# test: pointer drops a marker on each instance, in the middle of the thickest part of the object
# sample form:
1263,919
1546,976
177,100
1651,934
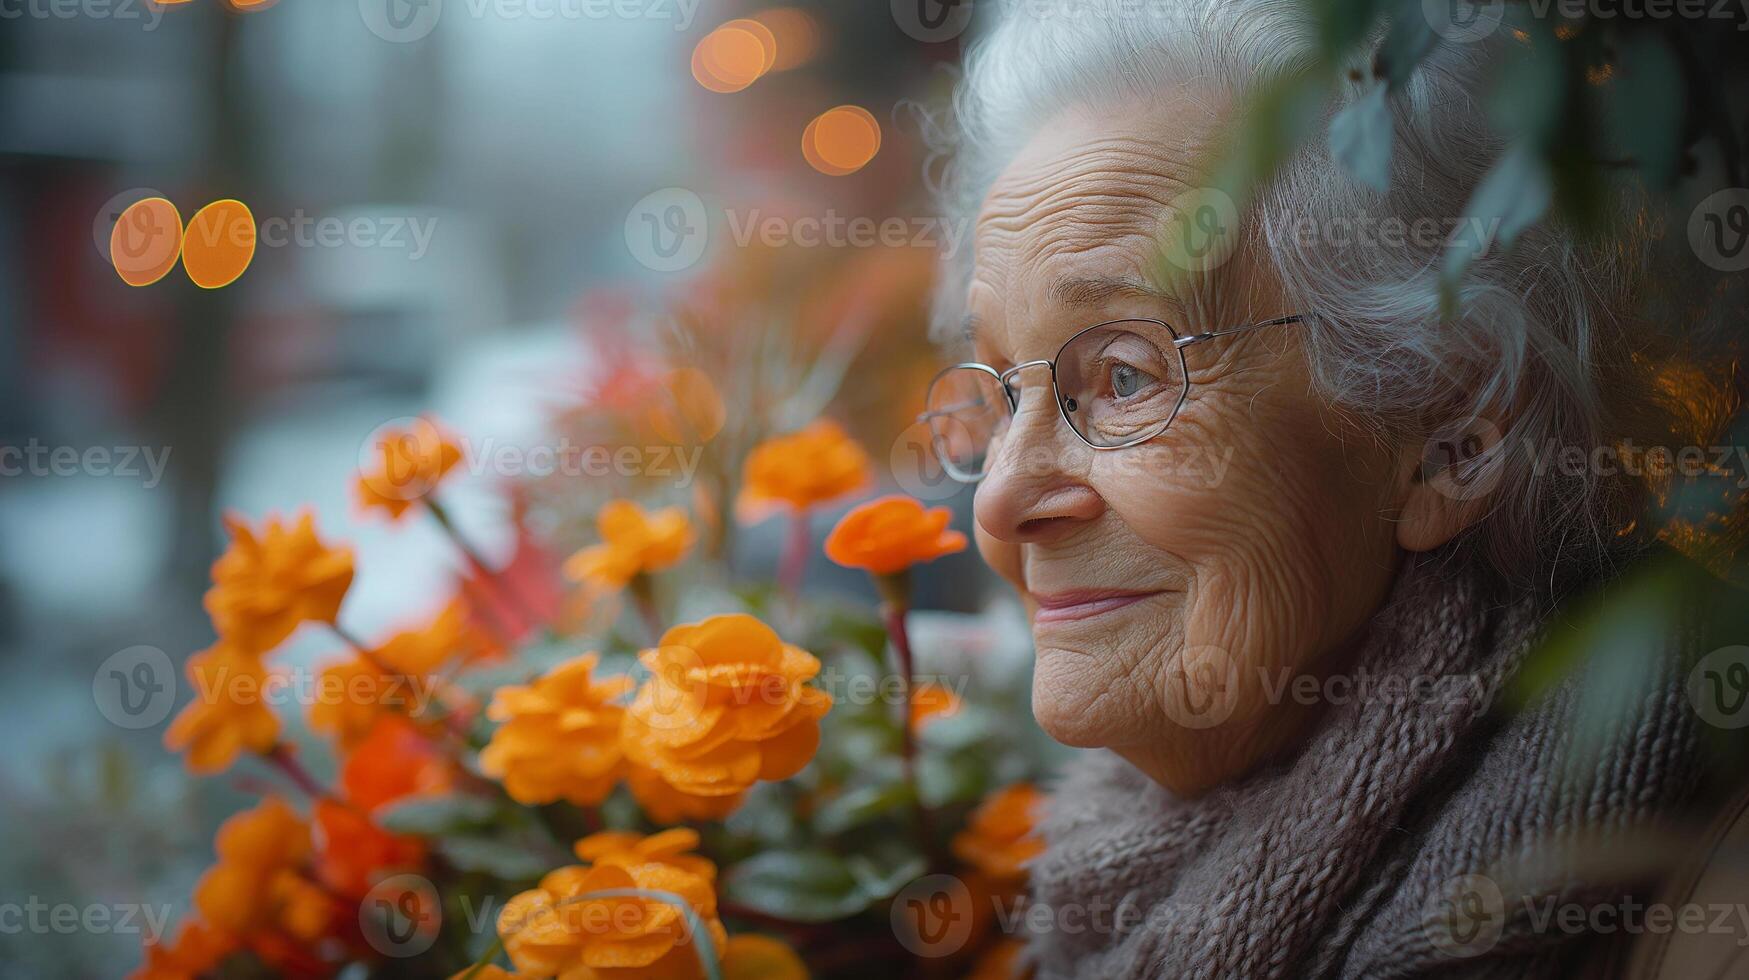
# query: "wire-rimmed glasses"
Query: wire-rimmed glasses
1117,384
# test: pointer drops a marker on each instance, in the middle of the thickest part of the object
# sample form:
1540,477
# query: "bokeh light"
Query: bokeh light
145,242
219,243
841,140
734,55
797,33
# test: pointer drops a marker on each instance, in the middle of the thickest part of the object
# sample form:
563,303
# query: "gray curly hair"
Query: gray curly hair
1539,343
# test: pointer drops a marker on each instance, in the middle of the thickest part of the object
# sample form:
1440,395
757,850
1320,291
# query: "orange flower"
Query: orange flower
243,891
663,803
1002,961
411,462
197,951
393,761
560,737
267,583
352,853
750,956
890,534
818,464
930,701
552,929
999,838
229,713
726,705
668,847
354,693
633,543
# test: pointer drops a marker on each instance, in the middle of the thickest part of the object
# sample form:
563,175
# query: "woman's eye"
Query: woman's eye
1127,379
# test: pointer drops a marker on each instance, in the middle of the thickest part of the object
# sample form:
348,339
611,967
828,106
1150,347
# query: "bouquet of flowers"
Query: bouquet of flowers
672,774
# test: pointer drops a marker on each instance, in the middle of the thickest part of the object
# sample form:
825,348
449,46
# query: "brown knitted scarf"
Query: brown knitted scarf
1395,843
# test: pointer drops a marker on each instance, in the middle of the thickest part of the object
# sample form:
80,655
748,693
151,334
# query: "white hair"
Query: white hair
1539,336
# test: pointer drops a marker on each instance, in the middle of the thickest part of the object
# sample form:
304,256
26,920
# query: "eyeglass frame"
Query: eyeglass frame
1013,397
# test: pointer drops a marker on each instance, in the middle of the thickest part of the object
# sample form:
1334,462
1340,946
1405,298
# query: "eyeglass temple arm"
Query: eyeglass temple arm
1199,337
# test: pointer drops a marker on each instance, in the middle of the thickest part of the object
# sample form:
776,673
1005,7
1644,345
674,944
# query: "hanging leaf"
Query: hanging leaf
1360,139
504,859
1645,108
432,816
1513,195
1409,41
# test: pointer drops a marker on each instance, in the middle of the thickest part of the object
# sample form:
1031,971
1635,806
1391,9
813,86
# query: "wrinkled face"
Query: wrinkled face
1173,584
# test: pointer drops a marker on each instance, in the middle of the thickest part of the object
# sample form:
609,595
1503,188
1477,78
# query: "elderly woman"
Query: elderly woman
1275,522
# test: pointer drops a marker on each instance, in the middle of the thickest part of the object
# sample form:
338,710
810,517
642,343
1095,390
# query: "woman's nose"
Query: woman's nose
1030,492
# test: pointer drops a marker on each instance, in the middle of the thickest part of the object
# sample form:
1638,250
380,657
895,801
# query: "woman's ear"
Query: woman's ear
1448,483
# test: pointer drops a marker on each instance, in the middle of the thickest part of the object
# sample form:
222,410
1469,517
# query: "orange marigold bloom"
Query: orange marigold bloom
229,713
1001,961
802,469
930,701
197,951
633,542
242,891
670,847
560,737
410,463
392,762
354,693
267,583
750,956
726,704
352,853
552,930
663,803
999,838
890,534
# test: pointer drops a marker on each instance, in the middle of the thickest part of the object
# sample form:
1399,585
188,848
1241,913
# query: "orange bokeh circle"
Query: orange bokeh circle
219,243
146,241
734,55
841,140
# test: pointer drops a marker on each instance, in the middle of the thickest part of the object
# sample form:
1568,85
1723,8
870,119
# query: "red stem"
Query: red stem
282,759
894,616
794,562
507,596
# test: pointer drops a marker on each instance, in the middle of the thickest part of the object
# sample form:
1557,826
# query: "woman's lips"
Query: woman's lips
1061,607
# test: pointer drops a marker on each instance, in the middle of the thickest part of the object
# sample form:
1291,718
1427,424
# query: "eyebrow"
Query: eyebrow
1094,290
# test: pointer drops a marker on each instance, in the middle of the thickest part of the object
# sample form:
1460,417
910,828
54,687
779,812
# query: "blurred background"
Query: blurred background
499,212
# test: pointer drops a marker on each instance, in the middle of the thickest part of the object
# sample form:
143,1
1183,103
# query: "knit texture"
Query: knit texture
1355,857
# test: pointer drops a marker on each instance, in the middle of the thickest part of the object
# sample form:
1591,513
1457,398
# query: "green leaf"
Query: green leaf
433,816
1406,44
1342,24
888,867
861,805
501,858
800,886
1360,139
1513,195
1646,109
961,777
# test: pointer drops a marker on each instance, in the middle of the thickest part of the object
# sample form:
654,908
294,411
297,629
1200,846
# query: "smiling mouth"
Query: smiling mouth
1062,607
